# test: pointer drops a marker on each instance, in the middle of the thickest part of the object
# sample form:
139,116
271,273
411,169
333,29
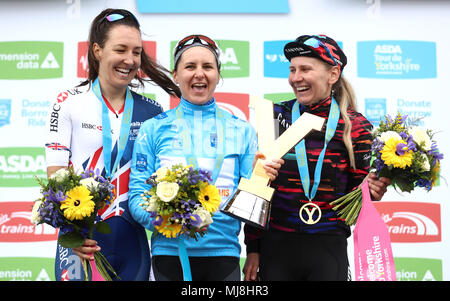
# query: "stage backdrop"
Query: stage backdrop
398,60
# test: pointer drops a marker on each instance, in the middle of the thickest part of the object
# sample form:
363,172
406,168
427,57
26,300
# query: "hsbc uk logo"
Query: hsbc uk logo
411,221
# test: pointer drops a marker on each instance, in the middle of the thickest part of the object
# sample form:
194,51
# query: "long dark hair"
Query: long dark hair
98,33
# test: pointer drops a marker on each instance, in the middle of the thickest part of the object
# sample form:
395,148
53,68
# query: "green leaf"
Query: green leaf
102,227
71,240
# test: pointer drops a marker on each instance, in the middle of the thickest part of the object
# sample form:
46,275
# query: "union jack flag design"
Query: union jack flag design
57,146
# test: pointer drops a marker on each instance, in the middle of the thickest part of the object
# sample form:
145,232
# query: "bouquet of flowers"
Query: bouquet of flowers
70,202
182,200
402,152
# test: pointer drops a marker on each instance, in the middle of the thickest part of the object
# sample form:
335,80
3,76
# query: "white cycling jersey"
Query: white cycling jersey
75,137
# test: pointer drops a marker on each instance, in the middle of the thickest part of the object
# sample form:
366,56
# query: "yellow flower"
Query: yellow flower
169,231
210,198
78,203
390,156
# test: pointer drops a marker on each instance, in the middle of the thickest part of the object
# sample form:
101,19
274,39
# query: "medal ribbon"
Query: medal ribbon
191,159
300,149
106,129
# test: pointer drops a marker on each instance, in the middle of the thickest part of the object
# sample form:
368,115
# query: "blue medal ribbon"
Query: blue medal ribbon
192,160
300,149
106,130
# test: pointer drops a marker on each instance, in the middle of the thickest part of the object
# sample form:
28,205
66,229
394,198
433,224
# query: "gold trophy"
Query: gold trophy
251,202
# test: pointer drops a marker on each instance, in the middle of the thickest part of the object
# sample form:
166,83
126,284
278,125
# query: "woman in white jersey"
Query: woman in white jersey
77,137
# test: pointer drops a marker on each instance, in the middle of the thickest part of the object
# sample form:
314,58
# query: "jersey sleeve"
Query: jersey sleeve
362,141
59,134
142,167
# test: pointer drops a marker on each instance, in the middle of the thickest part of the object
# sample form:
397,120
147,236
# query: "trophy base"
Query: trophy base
249,208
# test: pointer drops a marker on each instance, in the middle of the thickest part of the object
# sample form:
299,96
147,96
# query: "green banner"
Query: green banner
31,60
19,166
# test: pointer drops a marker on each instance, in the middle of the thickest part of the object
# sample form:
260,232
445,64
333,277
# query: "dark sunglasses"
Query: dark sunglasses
189,40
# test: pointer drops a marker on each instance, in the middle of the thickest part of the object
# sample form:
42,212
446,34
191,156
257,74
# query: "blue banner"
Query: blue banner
213,7
397,59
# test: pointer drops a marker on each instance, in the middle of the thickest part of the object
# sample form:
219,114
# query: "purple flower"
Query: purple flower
158,221
196,222
401,149
51,215
435,153
427,184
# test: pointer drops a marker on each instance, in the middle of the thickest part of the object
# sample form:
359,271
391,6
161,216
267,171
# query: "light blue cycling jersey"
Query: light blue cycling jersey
160,143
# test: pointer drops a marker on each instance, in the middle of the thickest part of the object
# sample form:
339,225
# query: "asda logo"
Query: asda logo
397,59
20,165
234,58
418,269
31,60
26,269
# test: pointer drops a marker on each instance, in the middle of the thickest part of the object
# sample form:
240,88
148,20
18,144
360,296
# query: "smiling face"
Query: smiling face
311,79
197,75
120,58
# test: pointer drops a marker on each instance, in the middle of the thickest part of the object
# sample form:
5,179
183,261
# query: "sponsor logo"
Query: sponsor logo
396,59
31,60
82,61
234,103
411,221
234,58
375,108
26,269
418,269
19,166
418,110
35,112
275,63
214,7
5,111
15,224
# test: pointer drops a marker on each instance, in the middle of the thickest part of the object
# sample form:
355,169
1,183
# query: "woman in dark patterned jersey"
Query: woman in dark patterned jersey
305,239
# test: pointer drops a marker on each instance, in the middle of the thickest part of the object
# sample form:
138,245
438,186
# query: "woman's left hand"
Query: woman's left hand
377,187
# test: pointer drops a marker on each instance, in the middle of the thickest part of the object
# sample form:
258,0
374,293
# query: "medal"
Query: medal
311,210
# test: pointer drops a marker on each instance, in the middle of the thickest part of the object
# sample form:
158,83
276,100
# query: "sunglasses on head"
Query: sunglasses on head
189,40
117,16
315,43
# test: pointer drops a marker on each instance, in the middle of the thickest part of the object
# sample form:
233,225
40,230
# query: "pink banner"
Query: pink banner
374,260
96,276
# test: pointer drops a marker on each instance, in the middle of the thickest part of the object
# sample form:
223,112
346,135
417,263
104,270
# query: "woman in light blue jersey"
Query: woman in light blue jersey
215,256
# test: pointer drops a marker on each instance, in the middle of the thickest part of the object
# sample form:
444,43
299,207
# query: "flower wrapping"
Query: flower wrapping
373,257
182,200
70,202
401,151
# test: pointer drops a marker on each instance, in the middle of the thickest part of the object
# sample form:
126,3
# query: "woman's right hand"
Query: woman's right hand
87,250
251,267
271,167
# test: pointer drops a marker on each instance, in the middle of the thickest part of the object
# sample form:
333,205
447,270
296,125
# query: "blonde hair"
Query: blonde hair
345,96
